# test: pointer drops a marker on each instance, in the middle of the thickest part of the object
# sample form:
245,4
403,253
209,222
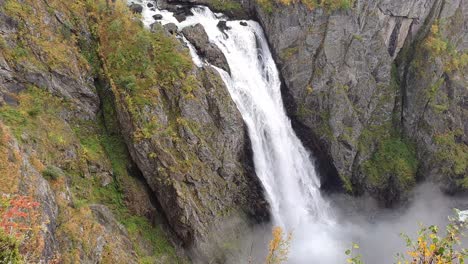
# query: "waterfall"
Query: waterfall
281,162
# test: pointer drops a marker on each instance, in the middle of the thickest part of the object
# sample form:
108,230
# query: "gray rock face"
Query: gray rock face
435,110
350,82
197,162
63,94
339,86
198,37
67,82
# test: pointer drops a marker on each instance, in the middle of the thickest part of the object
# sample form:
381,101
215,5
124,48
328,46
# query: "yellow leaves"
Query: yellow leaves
430,248
435,29
439,47
279,247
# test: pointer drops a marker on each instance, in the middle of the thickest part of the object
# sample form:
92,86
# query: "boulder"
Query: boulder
181,13
171,28
136,8
197,36
223,26
157,17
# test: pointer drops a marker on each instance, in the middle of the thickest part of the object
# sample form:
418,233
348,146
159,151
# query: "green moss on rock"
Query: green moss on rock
394,157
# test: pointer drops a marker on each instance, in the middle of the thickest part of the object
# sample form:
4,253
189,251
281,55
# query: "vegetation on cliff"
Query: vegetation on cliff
269,6
81,154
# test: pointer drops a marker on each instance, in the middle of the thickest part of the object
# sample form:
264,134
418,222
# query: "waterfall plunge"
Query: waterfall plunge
281,162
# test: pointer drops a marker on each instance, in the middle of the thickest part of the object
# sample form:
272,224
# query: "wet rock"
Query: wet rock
199,39
157,17
243,23
171,28
182,12
136,8
150,5
233,13
223,26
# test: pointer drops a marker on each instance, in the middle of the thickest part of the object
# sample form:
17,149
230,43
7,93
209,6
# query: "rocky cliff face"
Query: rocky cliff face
113,134
56,149
376,89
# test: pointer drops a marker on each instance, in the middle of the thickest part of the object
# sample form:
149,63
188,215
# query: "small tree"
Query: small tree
279,247
19,229
429,247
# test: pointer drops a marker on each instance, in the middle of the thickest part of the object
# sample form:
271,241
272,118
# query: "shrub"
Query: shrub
394,156
52,173
9,252
279,247
430,247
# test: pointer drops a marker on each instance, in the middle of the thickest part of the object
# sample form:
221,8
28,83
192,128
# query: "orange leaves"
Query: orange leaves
279,247
17,214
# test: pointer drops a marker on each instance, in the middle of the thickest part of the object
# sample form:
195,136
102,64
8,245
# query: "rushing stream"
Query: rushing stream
281,162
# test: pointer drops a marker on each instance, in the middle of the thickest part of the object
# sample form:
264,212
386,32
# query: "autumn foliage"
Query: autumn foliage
430,246
19,229
279,247
16,213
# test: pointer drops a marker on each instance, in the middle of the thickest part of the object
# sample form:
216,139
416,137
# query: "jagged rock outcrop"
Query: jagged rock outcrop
196,157
198,37
182,129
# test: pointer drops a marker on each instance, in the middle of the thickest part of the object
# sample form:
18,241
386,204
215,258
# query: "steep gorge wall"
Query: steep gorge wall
112,129
352,79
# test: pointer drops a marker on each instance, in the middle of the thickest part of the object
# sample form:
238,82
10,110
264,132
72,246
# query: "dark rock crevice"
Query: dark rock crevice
406,56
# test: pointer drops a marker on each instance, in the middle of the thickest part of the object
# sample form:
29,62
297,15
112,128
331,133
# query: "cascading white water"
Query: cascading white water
281,162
